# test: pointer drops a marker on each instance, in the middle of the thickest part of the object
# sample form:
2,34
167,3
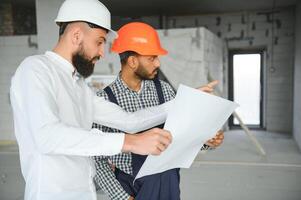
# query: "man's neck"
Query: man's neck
60,49
131,80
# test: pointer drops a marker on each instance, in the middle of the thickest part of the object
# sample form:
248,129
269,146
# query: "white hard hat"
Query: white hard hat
92,11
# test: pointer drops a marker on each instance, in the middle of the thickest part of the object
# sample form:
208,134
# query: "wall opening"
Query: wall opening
246,86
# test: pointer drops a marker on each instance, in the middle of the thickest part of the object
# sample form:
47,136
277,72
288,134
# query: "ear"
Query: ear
77,36
133,62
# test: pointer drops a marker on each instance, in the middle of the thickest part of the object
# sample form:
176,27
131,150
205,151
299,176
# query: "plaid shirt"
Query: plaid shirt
130,101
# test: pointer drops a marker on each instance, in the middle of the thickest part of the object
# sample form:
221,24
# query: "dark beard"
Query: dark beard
143,75
83,65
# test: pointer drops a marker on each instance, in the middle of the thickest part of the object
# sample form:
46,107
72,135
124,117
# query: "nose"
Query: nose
101,51
157,62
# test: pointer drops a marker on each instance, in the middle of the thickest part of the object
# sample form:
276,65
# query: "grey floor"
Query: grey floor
235,171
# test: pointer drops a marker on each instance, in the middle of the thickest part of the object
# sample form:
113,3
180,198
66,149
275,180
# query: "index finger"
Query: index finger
212,84
166,134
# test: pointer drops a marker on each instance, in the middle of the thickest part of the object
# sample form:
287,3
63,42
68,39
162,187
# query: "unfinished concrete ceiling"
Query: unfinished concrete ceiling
134,8
186,7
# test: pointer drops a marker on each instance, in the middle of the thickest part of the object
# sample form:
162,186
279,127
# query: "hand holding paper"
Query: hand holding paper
193,112
217,140
209,87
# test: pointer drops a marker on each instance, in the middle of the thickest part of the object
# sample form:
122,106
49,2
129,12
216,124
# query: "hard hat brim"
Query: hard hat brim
148,52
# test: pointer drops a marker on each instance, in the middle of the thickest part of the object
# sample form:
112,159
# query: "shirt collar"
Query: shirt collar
122,86
76,76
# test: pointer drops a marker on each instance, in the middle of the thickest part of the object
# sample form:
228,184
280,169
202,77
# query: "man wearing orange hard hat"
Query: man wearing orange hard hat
136,87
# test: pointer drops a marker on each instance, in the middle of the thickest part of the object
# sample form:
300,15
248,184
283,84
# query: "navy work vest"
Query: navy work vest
161,186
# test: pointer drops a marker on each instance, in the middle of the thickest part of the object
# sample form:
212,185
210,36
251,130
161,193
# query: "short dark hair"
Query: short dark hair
125,55
63,26
91,25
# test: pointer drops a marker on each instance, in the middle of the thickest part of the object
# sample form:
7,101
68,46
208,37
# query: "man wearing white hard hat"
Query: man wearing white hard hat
54,109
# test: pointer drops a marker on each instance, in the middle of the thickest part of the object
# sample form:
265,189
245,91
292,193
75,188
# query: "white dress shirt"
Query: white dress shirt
53,114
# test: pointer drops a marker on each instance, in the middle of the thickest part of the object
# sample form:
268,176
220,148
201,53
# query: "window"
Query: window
245,78
17,17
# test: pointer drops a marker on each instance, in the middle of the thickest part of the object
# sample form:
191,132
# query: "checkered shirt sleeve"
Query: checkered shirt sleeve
105,177
106,180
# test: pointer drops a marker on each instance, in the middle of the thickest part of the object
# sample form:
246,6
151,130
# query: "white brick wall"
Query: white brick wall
13,49
297,88
279,82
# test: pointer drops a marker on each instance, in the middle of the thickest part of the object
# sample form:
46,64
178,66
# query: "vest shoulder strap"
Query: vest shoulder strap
159,90
110,94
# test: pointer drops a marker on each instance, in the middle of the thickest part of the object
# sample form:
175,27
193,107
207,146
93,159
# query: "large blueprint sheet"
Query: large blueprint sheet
195,117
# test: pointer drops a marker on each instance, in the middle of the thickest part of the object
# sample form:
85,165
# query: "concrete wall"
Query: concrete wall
13,49
297,88
193,53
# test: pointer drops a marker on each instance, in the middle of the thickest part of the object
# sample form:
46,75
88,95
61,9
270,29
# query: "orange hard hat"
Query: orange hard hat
138,37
